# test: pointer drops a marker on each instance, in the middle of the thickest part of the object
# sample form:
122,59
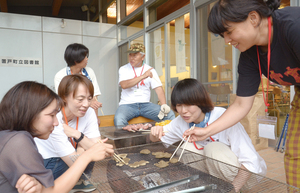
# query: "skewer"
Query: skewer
116,156
181,143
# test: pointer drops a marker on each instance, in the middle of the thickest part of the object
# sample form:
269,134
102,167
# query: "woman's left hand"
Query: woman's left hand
28,184
95,104
70,132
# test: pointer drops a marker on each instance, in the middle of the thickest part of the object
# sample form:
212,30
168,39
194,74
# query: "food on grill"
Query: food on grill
123,155
174,160
162,123
162,164
137,127
145,151
160,154
139,163
124,158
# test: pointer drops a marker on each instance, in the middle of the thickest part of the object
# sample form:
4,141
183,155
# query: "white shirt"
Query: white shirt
142,93
63,72
58,144
235,137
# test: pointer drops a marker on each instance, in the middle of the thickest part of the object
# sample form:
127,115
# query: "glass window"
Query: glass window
112,13
132,5
162,8
131,27
179,52
215,59
157,57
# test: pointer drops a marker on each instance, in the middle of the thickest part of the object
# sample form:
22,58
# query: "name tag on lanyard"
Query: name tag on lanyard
138,92
267,126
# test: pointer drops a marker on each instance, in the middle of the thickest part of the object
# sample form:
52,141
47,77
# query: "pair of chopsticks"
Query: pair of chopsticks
181,143
100,107
116,156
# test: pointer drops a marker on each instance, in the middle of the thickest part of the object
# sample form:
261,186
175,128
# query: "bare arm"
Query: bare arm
95,104
28,184
241,178
238,110
160,94
68,179
156,133
134,81
83,145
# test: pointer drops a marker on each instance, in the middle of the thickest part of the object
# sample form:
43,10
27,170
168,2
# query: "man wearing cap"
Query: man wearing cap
136,78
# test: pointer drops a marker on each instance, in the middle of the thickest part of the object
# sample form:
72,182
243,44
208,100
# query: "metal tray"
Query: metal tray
188,175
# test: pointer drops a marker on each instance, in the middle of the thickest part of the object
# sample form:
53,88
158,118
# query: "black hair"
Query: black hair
75,53
237,11
22,104
191,92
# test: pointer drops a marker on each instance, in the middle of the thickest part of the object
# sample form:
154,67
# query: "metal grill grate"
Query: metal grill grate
190,173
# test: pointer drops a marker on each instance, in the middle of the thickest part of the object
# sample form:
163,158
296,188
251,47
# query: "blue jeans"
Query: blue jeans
126,112
58,167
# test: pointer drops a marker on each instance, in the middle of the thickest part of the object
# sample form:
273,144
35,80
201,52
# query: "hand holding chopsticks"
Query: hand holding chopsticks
115,155
181,143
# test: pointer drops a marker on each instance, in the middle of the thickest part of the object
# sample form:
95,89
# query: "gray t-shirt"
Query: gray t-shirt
18,156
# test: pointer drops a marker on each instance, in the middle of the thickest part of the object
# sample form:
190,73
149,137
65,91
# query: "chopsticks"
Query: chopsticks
100,107
181,143
115,155
101,111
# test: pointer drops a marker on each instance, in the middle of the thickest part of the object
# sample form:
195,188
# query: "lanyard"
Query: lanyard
142,82
65,117
202,124
269,58
202,147
72,72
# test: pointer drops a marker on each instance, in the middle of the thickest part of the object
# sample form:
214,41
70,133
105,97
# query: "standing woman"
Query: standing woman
269,41
76,57
29,110
77,130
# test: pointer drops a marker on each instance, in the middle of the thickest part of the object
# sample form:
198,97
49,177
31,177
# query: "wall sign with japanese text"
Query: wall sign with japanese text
18,61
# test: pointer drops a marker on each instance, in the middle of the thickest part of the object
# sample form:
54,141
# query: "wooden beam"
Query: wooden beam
56,7
3,5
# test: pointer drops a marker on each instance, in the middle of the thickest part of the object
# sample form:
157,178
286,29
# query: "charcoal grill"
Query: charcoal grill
188,175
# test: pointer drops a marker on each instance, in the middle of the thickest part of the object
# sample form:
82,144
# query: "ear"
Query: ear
254,18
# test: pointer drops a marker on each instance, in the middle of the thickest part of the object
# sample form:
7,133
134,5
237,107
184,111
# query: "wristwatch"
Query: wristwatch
80,138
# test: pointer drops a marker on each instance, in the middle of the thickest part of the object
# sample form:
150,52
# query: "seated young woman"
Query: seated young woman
29,110
77,130
233,145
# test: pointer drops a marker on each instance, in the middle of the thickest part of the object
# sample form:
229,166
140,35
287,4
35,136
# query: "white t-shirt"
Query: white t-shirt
235,137
63,72
58,144
142,93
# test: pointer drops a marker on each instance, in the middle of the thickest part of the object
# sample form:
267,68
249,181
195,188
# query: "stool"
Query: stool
108,120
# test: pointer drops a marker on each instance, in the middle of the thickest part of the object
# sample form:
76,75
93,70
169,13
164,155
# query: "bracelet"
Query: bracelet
80,138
